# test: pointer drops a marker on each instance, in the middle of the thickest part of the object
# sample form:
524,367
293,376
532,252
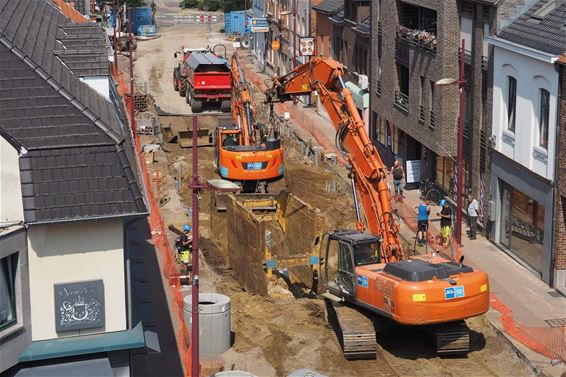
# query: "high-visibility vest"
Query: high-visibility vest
185,255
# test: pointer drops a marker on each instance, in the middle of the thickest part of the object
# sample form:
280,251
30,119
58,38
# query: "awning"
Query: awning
360,96
88,344
85,368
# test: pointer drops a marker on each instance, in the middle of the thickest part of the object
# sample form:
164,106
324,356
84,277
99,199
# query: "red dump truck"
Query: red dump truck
203,77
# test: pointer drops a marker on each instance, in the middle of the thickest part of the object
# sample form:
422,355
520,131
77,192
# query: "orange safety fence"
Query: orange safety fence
160,241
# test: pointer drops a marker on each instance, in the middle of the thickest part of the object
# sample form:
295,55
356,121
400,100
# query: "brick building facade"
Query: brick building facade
324,30
411,117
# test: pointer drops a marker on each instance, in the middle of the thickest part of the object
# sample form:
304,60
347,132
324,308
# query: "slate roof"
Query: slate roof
547,34
83,49
338,18
76,166
364,27
329,7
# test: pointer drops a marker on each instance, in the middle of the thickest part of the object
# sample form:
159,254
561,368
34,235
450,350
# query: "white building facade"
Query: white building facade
525,103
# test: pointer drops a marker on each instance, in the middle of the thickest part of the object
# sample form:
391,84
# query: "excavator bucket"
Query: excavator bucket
168,134
204,138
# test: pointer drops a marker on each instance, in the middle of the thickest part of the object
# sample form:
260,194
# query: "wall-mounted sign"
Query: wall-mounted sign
259,25
79,306
275,45
306,46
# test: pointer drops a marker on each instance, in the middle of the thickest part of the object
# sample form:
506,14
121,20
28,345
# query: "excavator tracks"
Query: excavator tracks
451,338
354,329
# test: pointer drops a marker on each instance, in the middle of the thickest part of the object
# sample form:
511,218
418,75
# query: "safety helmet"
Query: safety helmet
186,228
442,203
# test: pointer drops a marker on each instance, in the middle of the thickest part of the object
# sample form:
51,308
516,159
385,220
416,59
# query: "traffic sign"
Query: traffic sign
306,46
259,25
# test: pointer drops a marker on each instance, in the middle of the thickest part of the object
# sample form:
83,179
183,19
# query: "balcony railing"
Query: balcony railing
432,121
402,100
378,87
379,28
421,114
419,38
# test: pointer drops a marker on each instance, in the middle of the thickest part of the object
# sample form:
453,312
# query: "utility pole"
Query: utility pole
132,96
294,34
195,185
461,82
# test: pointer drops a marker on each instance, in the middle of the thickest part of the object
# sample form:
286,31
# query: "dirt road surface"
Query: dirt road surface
276,335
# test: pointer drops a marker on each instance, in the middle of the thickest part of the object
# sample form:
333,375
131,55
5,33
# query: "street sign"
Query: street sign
259,25
306,46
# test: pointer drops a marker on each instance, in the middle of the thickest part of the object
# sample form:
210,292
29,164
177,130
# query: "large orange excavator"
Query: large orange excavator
247,151
369,272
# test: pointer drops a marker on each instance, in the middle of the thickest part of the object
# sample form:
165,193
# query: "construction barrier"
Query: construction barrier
159,238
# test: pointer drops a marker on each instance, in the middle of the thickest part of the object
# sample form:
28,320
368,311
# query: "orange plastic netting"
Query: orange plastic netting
159,237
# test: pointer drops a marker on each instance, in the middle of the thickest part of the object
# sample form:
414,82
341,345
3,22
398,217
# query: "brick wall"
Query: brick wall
560,204
422,63
323,35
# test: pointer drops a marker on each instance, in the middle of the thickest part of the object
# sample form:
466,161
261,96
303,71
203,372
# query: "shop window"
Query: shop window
511,102
522,226
8,267
544,112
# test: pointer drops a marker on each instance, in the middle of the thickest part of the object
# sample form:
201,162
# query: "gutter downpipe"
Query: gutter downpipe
555,195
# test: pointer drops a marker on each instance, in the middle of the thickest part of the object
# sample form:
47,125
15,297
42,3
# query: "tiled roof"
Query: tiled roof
83,49
338,18
547,34
76,165
330,7
364,27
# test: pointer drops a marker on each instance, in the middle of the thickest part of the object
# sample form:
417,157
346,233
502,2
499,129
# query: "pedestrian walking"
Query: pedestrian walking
445,222
398,175
473,207
423,211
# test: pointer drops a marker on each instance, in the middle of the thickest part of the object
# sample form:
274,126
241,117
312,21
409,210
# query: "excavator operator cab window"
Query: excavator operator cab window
229,140
366,253
346,259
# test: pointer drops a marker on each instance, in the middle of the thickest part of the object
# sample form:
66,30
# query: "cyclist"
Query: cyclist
423,211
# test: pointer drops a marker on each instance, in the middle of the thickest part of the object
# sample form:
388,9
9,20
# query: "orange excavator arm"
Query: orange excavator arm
242,106
368,173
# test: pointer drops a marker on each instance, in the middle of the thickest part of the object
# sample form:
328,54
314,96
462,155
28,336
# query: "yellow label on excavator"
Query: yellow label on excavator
483,288
269,155
239,157
419,297
305,87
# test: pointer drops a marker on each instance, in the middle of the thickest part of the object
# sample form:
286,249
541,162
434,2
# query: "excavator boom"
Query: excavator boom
325,76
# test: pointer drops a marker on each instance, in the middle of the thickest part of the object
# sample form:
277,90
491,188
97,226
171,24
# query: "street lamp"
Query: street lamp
460,179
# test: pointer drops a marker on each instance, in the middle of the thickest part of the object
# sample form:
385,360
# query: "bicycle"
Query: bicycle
428,190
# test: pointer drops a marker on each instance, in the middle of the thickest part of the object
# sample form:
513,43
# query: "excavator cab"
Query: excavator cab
343,252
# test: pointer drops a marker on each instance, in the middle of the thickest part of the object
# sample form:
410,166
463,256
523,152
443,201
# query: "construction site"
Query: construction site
262,250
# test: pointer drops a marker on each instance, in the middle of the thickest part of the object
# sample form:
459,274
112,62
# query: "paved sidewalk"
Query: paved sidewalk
520,302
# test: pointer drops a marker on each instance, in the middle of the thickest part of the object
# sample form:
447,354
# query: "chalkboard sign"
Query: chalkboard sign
413,171
79,306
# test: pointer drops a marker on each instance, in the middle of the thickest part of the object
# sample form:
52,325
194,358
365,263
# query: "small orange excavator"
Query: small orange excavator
247,151
370,270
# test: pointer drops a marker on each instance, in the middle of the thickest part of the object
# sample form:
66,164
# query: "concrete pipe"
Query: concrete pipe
214,322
